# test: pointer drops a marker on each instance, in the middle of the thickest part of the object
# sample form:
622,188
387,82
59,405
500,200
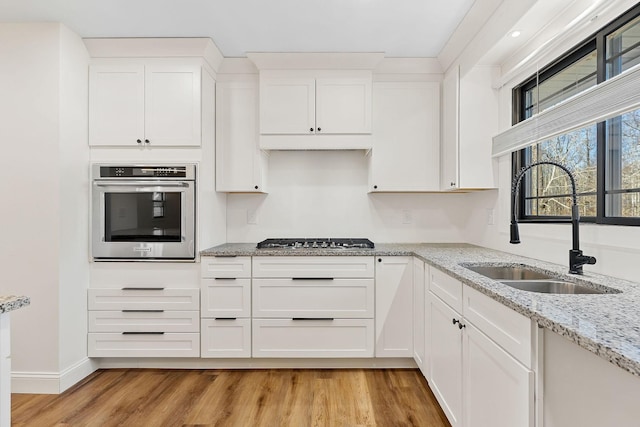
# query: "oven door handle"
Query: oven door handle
141,184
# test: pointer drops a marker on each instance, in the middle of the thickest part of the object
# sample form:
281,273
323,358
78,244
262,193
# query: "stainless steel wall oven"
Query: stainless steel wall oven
143,212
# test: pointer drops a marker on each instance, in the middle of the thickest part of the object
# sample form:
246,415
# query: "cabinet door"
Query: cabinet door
343,106
446,359
418,313
172,105
287,106
406,137
498,390
116,105
394,317
238,157
449,179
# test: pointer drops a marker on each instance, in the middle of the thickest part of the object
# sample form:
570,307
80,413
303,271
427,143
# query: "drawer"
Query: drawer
312,338
225,338
226,298
144,321
510,330
223,266
447,288
143,345
313,266
337,298
144,299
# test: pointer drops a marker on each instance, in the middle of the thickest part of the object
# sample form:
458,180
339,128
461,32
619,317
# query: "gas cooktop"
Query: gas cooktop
316,243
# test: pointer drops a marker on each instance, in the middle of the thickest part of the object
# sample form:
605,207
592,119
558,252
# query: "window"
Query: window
604,158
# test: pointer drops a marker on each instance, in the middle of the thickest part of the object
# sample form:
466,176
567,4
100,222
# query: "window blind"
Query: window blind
606,100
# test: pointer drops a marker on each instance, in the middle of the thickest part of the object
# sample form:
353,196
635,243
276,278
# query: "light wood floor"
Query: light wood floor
269,398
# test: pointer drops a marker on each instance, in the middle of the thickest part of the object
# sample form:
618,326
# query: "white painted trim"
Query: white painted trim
316,61
256,363
51,382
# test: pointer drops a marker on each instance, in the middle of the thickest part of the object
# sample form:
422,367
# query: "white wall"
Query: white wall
615,247
324,194
43,81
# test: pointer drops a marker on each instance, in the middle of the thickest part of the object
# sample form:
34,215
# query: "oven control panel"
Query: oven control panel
143,171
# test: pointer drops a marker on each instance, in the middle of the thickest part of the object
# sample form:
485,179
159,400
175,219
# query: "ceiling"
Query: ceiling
399,28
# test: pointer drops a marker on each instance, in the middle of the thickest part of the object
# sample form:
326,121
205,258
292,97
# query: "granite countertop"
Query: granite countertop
605,324
11,302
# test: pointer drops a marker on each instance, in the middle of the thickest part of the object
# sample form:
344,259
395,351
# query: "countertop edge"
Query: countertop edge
11,302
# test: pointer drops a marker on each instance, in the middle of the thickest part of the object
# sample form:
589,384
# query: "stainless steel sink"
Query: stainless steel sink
509,272
551,287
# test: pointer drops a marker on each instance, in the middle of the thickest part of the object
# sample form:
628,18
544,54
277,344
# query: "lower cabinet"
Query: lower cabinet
144,322
498,390
445,371
419,312
394,311
480,373
313,307
225,337
312,337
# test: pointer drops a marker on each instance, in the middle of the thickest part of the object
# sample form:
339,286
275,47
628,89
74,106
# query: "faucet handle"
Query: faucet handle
577,260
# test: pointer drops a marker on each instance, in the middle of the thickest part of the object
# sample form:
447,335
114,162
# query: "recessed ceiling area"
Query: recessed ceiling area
407,28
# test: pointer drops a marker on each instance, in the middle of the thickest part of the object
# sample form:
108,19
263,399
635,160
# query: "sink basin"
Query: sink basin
551,287
509,272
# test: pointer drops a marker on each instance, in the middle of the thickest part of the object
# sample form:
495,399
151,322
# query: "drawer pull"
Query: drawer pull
226,318
312,278
225,256
143,311
143,333
224,278
312,318
142,289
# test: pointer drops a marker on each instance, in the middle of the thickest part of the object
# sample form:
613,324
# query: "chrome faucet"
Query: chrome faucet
576,258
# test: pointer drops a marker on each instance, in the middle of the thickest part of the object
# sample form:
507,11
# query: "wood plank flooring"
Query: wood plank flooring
238,398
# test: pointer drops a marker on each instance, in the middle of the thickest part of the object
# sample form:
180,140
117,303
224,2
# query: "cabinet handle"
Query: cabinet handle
319,129
256,187
311,318
139,141
375,187
143,333
379,259
454,321
312,278
146,141
453,184
143,311
461,325
225,256
310,129
224,278
142,289
225,318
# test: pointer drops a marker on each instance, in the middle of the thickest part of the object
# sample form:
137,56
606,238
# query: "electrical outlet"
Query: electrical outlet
252,216
407,217
490,217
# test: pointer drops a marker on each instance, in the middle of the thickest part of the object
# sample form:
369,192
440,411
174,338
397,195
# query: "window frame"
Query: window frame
596,41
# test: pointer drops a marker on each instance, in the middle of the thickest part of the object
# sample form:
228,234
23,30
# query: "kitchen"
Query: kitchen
301,199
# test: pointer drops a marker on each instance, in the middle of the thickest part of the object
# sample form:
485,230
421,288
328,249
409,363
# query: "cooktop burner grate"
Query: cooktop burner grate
316,243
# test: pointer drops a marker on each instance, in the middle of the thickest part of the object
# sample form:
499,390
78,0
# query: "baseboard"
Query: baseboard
51,382
255,363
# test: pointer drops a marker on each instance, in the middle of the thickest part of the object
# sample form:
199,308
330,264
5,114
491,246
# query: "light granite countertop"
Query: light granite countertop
605,324
11,302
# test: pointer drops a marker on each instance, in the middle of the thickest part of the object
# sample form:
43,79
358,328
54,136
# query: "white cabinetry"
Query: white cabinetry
481,357
469,122
143,322
5,370
406,137
419,312
394,317
240,164
313,306
145,103
226,307
300,109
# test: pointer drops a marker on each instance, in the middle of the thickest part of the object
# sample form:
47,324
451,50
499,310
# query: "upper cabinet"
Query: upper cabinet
145,103
469,122
314,104
240,164
406,137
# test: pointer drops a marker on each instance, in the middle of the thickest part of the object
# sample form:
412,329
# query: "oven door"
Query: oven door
143,220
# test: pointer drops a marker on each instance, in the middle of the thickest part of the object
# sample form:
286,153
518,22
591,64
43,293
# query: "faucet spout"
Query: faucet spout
576,258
